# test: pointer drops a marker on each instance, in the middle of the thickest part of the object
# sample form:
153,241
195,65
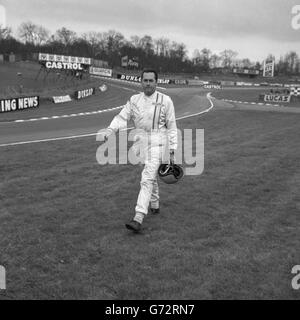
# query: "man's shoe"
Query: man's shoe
134,226
154,211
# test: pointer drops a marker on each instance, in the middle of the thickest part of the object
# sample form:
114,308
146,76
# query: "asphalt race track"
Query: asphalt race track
187,101
81,119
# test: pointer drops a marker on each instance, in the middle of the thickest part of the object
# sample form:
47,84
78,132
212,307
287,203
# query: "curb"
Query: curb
253,103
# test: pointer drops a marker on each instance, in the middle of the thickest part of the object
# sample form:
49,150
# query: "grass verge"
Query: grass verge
231,233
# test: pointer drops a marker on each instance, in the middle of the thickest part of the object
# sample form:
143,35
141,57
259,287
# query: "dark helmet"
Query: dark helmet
170,173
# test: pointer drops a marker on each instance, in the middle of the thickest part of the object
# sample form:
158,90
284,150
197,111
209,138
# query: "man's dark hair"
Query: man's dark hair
150,71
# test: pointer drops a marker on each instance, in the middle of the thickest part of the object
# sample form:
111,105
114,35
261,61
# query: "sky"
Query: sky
253,28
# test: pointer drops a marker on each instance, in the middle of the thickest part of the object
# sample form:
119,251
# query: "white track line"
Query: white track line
252,103
124,88
95,134
209,97
65,115
48,140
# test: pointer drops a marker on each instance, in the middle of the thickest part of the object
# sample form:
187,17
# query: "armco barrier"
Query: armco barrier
15,104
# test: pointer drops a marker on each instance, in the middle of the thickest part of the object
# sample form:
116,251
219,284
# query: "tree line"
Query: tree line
161,53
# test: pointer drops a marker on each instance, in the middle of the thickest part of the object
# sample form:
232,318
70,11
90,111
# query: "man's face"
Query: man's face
149,83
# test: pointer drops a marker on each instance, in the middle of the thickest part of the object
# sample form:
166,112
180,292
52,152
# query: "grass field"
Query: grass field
20,78
231,233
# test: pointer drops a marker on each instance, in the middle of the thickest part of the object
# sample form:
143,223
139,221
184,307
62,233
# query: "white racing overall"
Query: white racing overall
155,116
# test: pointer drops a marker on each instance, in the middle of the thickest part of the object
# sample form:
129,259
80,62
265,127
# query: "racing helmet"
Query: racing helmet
170,173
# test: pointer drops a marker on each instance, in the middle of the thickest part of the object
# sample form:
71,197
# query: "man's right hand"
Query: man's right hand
172,156
105,133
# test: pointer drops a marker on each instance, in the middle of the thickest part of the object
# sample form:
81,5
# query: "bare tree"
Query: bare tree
205,57
270,57
227,57
291,60
162,46
146,43
5,33
156,46
196,56
243,63
27,32
41,35
246,63
215,61
258,65
96,40
135,41
65,36
114,40
178,51
33,34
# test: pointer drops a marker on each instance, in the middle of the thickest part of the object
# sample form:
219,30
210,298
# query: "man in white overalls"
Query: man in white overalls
153,113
